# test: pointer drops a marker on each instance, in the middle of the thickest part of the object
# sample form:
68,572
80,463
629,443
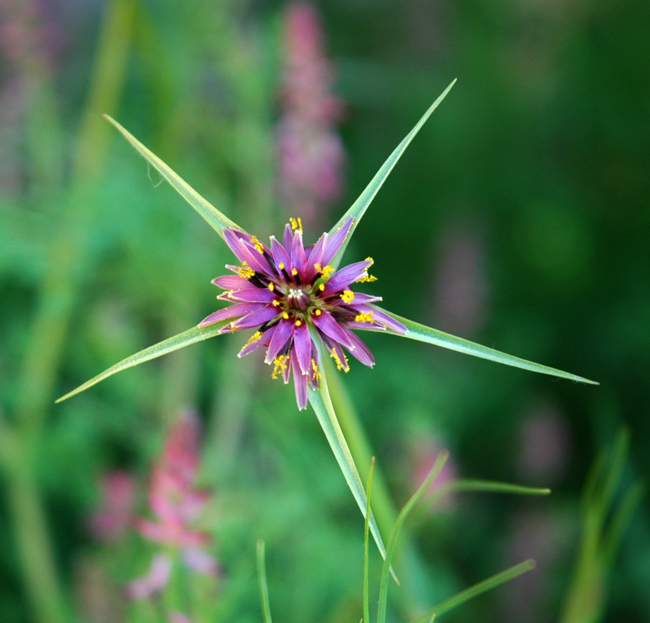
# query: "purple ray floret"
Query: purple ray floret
291,295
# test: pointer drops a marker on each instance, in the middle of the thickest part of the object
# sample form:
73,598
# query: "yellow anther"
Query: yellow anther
257,244
285,315
276,303
318,267
327,271
279,365
296,224
294,271
365,317
366,279
281,265
321,287
253,338
347,296
369,259
318,312
339,364
315,370
298,323
271,287
245,271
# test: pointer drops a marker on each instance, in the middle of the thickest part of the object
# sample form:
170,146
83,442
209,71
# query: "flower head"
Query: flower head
292,296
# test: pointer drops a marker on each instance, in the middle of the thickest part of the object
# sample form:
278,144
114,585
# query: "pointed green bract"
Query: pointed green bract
322,405
215,218
359,207
157,350
422,333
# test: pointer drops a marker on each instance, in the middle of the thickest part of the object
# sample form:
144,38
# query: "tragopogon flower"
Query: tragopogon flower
292,296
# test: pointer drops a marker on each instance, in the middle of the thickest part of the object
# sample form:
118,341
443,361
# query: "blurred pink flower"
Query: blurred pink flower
545,443
310,150
176,505
172,497
423,452
109,523
177,617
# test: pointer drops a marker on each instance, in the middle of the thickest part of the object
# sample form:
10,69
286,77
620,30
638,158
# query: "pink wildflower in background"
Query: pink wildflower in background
422,454
310,150
176,505
109,523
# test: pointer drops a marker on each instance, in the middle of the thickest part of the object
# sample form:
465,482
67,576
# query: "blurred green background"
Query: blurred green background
518,218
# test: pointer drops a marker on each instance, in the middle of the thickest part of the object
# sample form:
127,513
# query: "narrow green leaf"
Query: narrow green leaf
439,463
322,405
477,589
490,486
215,218
169,345
366,548
261,577
359,207
422,333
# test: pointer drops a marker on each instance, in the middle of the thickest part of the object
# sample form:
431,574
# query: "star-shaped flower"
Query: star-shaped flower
300,302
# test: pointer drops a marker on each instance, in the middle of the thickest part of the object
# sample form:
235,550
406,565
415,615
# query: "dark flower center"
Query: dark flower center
298,299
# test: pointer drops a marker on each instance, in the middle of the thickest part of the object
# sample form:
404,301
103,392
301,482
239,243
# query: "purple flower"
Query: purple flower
292,297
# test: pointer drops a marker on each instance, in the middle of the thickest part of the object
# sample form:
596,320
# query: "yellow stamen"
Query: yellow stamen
276,303
315,371
366,279
327,271
347,296
279,366
281,265
298,323
296,224
253,338
271,287
321,287
318,267
339,364
318,312
245,271
294,271
258,245
365,317
285,315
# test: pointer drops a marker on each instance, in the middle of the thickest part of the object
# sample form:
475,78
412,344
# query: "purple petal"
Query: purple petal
250,295
252,344
280,255
388,321
360,350
339,357
231,282
325,323
245,252
255,319
282,334
234,311
300,382
302,346
287,239
298,257
360,299
346,276
335,241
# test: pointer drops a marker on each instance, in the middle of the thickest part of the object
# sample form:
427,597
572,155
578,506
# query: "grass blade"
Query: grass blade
215,218
359,207
169,345
439,463
477,589
261,577
366,548
422,333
